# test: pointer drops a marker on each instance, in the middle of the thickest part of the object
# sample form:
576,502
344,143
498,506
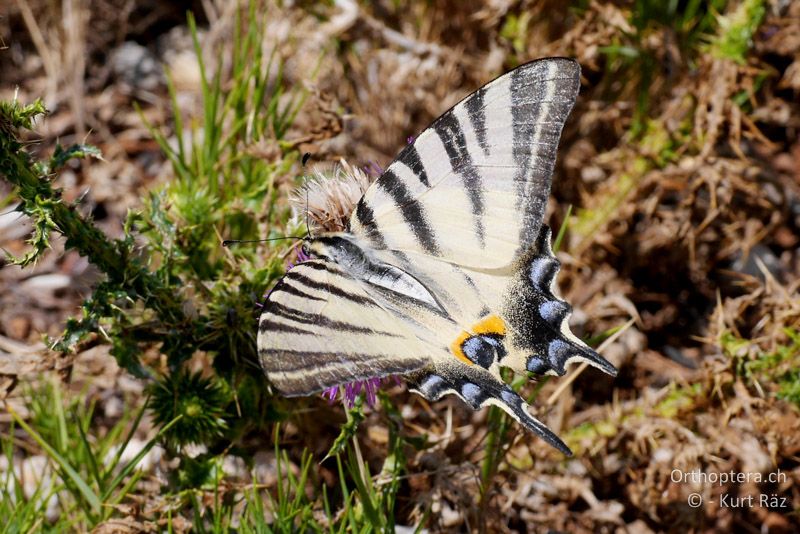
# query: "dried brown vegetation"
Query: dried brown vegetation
683,166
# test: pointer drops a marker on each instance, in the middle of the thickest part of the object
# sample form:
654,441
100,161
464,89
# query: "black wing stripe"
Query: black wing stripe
328,288
476,111
526,112
540,103
411,159
272,326
366,218
411,209
301,317
449,130
284,287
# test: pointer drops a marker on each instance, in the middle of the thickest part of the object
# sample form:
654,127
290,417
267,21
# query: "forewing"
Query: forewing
472,188
320,329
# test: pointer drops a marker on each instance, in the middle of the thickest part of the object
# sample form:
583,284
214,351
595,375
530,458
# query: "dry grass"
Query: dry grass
689,226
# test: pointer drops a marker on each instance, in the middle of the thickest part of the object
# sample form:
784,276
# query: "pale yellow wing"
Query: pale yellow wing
320,328
473,187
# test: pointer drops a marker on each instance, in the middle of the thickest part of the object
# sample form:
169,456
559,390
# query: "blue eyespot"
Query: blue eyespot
482,350
537,365
471,392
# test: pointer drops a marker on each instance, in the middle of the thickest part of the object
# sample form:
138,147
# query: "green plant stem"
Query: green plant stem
113,257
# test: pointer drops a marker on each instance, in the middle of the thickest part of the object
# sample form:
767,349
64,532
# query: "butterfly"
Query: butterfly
445,273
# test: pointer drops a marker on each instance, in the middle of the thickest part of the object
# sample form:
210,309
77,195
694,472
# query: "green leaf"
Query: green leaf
355,416
62,155
73,475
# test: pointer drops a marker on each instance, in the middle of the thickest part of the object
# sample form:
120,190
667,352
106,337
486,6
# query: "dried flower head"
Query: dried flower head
329,197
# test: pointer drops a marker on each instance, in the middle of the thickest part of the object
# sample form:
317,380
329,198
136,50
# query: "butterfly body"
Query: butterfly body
445,272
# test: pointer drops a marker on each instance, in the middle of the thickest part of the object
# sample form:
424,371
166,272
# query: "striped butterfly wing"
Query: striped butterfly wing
449,271
320,328
513,321
472,188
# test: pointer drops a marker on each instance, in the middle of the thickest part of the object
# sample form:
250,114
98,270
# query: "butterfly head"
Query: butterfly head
305,249
336,248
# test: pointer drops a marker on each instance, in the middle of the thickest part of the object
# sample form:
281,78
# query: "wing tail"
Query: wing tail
540,321
478,388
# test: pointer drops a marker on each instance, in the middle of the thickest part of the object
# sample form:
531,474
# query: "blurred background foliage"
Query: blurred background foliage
135,138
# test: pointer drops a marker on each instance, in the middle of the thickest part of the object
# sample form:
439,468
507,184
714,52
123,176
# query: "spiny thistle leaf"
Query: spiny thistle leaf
355,416
62,155
13,116
43,224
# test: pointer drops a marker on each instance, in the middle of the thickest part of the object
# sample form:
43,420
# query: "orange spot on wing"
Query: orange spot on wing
490,325
455,348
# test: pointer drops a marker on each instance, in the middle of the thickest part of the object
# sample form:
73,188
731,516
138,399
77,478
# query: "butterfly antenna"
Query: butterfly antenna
308,211
229,242
305,159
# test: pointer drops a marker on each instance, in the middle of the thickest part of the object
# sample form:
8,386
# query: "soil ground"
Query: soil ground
683,168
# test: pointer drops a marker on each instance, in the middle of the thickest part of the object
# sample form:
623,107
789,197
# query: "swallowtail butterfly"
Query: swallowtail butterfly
445,273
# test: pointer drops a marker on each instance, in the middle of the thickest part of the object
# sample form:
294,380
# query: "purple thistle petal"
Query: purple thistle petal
371,387
373,169
351,390
301,255
349,396
331,393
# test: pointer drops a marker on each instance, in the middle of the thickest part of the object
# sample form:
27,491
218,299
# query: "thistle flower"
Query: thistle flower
327,199
350,392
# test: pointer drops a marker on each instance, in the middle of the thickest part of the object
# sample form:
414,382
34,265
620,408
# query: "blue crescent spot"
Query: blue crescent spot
539,271
551,310
471,392
557,350
431,384
509,397
536,365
